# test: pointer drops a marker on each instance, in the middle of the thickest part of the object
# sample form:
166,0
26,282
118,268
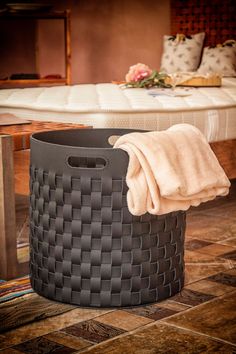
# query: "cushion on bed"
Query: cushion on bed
220,59
181,53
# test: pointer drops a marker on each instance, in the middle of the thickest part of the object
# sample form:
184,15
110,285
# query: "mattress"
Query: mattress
211,109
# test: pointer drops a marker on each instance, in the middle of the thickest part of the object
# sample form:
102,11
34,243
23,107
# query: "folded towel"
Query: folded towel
171,170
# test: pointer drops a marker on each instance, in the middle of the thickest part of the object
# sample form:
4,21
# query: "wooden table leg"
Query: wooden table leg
9,266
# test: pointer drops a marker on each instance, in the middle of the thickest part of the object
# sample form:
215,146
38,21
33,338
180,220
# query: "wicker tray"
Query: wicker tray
212,81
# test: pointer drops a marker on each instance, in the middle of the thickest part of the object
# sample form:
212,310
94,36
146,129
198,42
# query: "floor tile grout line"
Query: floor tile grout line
73,336
161,321
110,339
211,255
30,323
198,333
210,275
113,310
94,344
195,237
209,263
125,334
154,323
227,239
201,304
225,272
164,320
216,296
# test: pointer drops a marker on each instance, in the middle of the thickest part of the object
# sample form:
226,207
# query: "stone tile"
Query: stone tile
223,211
153,312
67,340
172,305
197,257
195,244
93,331
218,203
195,272
43,346
202,217
51,324
230,255
210,228
162,338
29,308
209,287
201,265
229,241
2,337
216,318
192,298
224,278
124,320
10,351
231,271
216,250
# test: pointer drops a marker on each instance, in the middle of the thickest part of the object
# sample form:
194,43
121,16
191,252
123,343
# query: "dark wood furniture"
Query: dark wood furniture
63,15
225,152
216,20
15,137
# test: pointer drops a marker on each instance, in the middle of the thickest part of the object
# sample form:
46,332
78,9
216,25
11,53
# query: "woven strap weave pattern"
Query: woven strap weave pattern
87,249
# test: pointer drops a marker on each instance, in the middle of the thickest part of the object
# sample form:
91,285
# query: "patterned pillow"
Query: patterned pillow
220,59
182,53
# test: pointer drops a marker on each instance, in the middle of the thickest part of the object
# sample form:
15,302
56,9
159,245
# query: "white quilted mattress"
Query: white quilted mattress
212,110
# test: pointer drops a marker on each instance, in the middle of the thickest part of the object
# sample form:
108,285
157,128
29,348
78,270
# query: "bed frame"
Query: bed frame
225,151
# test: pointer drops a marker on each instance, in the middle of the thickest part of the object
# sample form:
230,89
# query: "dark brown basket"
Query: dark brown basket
85,246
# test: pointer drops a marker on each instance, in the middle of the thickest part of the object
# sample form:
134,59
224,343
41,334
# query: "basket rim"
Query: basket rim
35,137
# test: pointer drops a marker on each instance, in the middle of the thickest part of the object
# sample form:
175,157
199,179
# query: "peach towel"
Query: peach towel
171,170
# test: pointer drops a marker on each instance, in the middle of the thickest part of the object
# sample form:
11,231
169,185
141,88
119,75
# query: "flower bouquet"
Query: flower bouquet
140,75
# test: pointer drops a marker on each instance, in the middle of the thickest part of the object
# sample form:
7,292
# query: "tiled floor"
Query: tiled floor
201,319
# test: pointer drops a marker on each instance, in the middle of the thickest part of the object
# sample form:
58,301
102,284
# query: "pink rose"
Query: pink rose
138,72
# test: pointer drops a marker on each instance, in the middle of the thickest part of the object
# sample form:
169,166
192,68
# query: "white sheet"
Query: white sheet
212,110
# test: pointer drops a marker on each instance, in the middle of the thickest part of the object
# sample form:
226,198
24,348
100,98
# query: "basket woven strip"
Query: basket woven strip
87,249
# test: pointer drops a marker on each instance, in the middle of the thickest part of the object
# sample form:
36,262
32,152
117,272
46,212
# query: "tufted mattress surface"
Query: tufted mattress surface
211,109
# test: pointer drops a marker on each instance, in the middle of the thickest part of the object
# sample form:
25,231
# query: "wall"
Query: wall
110,35
17,49
50,47
107,37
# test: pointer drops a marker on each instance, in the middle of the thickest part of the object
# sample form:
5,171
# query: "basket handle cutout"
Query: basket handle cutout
112,139
87,162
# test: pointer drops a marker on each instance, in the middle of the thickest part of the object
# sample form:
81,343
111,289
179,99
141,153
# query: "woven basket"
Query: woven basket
85,246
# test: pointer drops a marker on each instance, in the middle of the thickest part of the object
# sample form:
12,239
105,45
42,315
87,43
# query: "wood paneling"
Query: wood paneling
216,19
